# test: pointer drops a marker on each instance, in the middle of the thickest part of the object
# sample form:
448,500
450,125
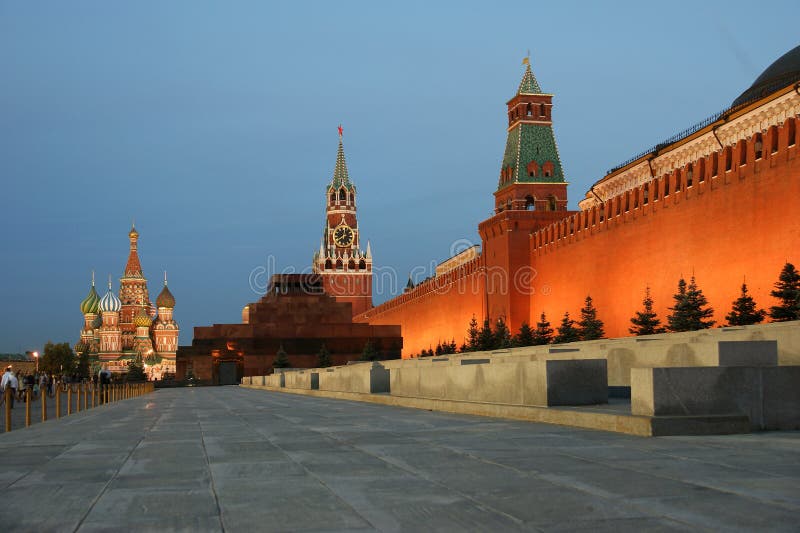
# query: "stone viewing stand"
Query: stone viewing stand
732,380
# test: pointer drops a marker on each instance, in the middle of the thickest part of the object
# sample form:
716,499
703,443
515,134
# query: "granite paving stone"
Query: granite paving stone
235,459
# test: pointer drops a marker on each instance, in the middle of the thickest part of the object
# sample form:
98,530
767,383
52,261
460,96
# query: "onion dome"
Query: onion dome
91,302
141,319
165,298
81,347
110,302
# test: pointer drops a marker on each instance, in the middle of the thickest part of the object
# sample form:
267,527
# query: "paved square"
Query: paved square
233,459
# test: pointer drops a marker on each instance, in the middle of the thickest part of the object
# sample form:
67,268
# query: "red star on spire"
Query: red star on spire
340,130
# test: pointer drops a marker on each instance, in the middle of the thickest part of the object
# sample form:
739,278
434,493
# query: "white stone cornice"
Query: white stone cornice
772,113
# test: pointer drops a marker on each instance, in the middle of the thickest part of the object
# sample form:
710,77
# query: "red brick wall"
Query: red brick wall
742,223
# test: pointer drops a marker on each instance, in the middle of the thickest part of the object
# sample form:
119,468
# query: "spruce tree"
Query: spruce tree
699,313
567,332
543,334
281,359
439,350
525,336
744,311
590,327
452,347
646,322
502,336
472,336
136,369
787,290
369,353
486,337
679,319
323,357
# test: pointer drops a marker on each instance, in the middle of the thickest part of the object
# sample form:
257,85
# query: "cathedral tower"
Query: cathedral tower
345,268
110,333
132,291
531,193
165,329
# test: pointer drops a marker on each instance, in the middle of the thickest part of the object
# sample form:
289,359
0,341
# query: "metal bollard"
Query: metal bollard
69,400
27,408
85,396
92,388
44,406
58,402
7,397
78,403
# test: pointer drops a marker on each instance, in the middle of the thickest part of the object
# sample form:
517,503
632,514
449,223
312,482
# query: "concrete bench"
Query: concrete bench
768,395
364,378
543,383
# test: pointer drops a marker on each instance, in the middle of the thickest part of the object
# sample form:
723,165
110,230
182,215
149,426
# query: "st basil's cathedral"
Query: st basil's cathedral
117,329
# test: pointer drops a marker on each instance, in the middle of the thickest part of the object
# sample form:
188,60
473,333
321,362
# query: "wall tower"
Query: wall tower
346,269
531,193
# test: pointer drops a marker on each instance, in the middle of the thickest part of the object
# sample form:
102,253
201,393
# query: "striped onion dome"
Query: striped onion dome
91,302
110,302
141,319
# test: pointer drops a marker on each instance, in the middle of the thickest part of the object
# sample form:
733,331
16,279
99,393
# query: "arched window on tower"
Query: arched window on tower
342,195
542,110
328,265
530,203
528,111
548,168
533,169
333,197
551,203
339,264
351,264
362,265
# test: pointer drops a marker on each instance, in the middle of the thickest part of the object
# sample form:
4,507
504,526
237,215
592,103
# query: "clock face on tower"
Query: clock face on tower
343,235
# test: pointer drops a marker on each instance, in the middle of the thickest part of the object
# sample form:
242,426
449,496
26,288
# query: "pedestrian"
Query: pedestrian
9,381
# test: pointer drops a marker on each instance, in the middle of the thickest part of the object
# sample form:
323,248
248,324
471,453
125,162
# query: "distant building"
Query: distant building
117,329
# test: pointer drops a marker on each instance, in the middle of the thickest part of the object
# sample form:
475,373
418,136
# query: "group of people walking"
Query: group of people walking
41,383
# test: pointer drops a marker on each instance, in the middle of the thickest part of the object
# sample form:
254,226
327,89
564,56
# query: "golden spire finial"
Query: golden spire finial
527,59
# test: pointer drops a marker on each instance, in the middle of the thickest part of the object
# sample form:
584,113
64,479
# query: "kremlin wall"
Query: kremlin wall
717,201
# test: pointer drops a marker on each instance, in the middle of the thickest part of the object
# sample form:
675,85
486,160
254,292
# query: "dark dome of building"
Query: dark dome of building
785,70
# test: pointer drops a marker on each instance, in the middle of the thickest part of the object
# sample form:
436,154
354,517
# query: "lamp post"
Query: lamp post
36,356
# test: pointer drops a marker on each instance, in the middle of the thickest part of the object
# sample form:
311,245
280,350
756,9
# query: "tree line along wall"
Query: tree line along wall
723,218
437,310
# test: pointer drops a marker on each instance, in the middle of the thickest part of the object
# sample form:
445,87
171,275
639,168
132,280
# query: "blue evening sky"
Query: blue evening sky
213,125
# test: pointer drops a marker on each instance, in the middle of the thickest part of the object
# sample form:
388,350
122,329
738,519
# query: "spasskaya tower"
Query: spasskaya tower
346,269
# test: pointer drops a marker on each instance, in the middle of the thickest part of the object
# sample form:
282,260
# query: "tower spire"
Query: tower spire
341,178
528,85
133,268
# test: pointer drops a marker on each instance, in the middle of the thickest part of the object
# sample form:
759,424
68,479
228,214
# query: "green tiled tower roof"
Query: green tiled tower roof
530,141
340,176
529,85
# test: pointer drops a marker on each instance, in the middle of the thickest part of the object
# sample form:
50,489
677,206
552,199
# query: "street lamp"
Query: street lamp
36,356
